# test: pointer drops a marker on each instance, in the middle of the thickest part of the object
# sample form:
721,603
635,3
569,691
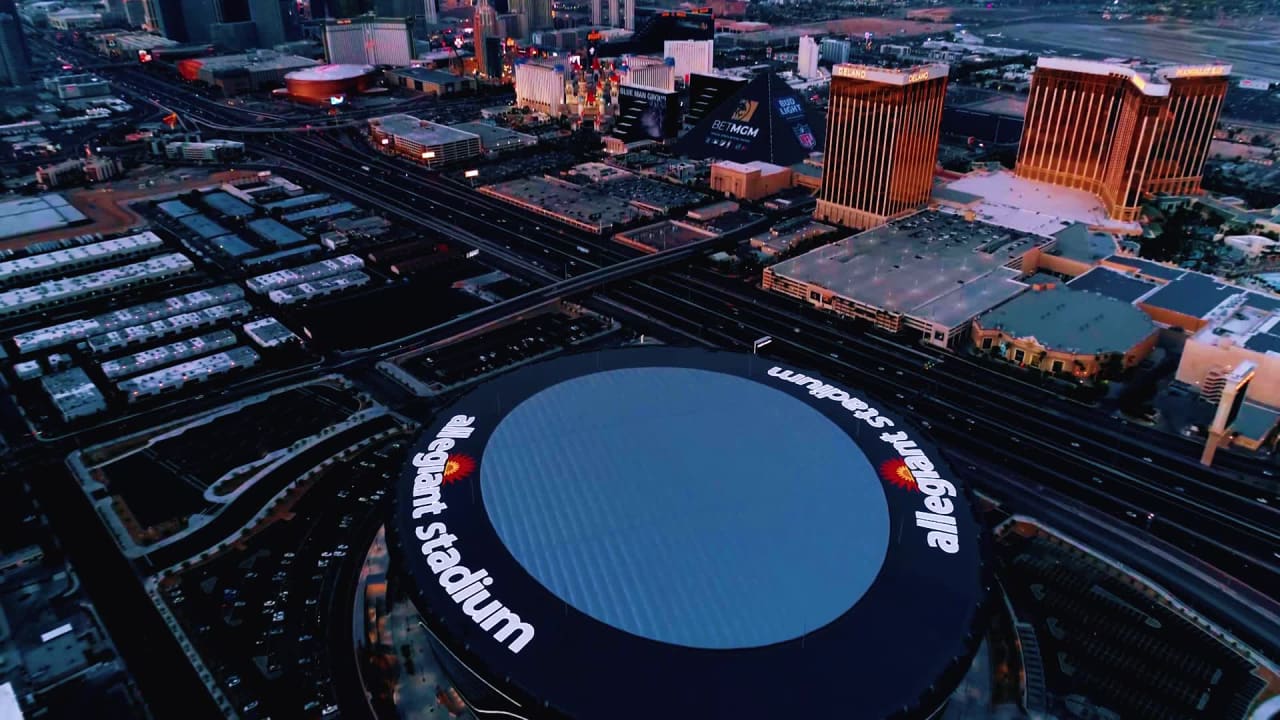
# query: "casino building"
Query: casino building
1120,131
882,142
610,535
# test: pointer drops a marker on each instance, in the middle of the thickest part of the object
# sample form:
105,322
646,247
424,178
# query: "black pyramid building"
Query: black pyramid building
765,120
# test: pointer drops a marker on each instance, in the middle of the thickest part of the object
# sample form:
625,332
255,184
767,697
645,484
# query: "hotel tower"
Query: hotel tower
882,142
1119,131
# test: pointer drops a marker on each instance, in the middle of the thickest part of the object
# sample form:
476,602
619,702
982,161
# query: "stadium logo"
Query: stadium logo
819,389
912,465
457,467
896,473
939,520
466,587
745,110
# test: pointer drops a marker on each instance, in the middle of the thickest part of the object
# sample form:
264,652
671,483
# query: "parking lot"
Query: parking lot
1103,640
272,617
164,482
471,360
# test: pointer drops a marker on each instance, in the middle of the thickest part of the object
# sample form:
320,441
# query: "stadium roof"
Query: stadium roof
619,504
1071,321
764,120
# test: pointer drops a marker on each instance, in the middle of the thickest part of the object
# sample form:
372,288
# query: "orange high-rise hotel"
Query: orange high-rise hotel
1119,132
882,142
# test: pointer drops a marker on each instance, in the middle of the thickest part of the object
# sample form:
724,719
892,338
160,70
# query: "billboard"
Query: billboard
764,120
647,114
1255,84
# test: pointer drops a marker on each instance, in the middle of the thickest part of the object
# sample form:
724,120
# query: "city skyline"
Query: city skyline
505,357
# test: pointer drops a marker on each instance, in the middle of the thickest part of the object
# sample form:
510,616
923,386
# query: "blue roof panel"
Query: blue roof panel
619,496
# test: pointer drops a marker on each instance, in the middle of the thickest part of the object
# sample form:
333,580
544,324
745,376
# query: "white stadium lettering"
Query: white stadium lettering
464,586
939,521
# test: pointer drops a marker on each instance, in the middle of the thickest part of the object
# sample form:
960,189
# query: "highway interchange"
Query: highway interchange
1143,478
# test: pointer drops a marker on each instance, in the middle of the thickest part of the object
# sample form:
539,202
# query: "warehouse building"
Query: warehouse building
302,292
167,354
248,72
77,330
57,292
178,376
80,257
431,82
175,325
263,284
73,394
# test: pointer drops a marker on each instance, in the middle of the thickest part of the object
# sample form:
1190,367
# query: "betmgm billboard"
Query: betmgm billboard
653,114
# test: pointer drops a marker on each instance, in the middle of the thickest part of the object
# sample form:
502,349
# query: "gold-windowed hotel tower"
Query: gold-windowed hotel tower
1119,131
882,142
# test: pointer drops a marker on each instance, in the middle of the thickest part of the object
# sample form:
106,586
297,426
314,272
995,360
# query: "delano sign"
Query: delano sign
466,587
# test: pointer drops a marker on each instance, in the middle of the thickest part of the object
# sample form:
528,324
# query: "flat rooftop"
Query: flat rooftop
932,265
25,216
774,242
664,235
576,203
1105,281
422,132
1034,207
1149,79
765,168
439,77
1073,321
228,205
273,232
491,136
1078,242
1193,294
258,61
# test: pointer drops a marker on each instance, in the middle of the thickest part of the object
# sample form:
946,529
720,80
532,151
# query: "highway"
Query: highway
1171,483
1147,479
